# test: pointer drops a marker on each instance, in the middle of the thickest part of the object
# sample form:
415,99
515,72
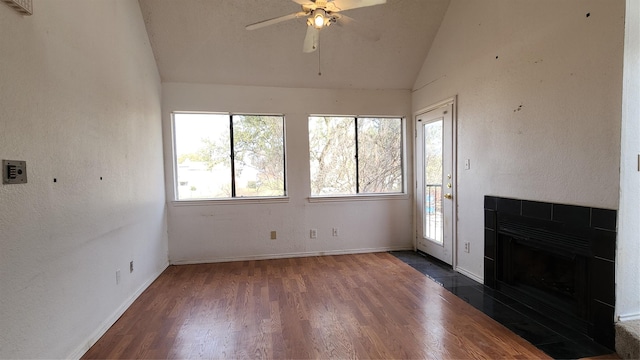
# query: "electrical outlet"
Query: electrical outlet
335,232
273,235
313,234
466,247
130,266
467,164
117,276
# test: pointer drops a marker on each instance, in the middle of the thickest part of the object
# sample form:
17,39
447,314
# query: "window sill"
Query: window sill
367,197
234,201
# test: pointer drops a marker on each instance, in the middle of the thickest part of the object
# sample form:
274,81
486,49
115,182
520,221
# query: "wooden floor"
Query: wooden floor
350,306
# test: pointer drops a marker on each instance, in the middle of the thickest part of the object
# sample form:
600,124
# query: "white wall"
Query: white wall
218,232
628,254
539,103
80,100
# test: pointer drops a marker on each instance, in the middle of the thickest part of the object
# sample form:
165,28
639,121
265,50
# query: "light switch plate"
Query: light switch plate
14,172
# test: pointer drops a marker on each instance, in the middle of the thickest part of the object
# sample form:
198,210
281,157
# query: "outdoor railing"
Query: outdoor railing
433,212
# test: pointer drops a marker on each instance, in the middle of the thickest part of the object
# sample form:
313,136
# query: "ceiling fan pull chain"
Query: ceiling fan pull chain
319,72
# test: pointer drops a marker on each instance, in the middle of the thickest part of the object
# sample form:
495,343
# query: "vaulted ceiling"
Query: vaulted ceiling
205,41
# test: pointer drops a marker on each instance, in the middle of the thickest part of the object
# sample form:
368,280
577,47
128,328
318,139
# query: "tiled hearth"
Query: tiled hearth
553,338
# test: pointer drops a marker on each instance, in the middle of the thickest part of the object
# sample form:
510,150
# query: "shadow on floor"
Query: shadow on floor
553,338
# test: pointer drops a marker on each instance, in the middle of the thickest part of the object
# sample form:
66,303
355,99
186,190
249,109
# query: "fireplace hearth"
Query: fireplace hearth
556,259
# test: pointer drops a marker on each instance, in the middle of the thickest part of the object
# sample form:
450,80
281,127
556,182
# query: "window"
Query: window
228,156
351,155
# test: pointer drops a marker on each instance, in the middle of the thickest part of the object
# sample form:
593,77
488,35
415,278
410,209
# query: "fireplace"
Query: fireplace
556,259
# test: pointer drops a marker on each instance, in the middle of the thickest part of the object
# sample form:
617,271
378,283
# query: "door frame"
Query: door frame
416,171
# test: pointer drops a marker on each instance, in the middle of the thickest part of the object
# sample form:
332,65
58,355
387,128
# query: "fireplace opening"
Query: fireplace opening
539,271
543,278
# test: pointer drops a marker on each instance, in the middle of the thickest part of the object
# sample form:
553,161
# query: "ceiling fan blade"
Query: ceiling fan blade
279,19
369,33
307,5
311,40
343,5
304,2
343,20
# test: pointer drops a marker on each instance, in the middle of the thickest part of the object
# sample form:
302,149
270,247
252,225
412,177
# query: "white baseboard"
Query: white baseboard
628,317
470,275
288,255
106,325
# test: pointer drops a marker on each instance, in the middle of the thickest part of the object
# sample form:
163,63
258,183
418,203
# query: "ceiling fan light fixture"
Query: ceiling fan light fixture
319,19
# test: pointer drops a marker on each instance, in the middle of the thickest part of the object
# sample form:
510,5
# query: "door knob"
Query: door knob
448,196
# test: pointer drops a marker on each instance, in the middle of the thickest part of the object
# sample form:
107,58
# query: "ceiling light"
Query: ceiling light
318,18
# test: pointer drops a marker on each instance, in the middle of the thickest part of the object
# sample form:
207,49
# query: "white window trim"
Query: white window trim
358,197
231,200
402,195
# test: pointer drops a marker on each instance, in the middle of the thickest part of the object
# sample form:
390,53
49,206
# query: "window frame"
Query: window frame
233,199
400,195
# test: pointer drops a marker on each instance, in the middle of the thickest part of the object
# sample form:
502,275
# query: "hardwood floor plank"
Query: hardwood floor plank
334,307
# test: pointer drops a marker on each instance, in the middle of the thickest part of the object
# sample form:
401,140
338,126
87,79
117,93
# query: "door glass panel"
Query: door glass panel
433,181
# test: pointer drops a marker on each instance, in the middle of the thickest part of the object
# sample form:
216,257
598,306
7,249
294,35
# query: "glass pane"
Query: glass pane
380,155
433,181
332,151
258,143
203,161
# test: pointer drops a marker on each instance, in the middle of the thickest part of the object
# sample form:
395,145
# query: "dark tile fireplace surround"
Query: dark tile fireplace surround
558,260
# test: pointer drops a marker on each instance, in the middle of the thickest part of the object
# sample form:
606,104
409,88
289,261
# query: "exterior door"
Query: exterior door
435,193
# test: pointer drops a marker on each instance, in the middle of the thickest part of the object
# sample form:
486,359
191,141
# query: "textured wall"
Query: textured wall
80,100
214,232
628,255
539,103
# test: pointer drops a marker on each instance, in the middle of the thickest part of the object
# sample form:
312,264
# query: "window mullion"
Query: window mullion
356,157
284,158
233,158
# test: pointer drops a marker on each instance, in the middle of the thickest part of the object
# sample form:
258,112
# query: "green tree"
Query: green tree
433,153
332,151
380,155
258,145
332,155
198,157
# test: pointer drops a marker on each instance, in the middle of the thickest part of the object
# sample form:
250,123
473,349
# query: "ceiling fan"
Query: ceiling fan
319,14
